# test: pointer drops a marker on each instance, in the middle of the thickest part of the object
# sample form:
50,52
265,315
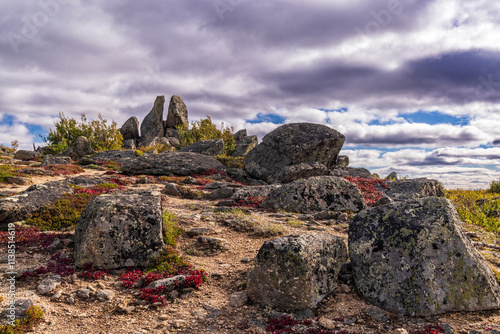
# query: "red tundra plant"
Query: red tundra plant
367,188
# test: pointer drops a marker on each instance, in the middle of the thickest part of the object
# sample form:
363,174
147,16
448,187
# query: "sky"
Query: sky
413,85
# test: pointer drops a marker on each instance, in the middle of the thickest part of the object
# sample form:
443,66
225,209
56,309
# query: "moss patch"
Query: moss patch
171,229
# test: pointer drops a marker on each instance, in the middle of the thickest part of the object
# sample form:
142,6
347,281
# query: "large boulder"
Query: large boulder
50,159
22,206
245,145
212,147
152,125
81,148
405,189
111,155
130,129
177,113
296,272
26,155
119,230
319,193
302,171
414,258
352,171
171,163
292,144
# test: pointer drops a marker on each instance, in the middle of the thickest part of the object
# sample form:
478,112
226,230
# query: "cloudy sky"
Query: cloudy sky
413,85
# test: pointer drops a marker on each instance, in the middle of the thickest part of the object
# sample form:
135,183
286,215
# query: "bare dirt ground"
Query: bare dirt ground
207,310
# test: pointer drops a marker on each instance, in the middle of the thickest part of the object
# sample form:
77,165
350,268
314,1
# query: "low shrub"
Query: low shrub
34,316
168,261
494,187
59,265
367,187
171,229
231,162
64,169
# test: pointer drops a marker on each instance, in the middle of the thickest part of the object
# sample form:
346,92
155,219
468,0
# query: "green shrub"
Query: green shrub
34,315
14,145
168,260
204,129
171,229
494,187
102,136
231,162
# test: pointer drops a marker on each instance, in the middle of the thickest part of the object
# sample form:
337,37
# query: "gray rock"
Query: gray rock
26,155
130,129
83,293
302,171
81,148
241,176
129,144
171,163
177,113
49,284
17,310
104,295
174,141
20,207
115,229
169,284
112,155
194,232
211,243
239,135
405,189
377,314
238,299
152,125
413,258
292,144
171,133
50,159
221,193
343,161
352,171
245,145
212,147
393,176
315,194
296,272
172,189
19,180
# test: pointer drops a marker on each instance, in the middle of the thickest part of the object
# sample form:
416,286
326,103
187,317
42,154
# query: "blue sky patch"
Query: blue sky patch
267,118
428,117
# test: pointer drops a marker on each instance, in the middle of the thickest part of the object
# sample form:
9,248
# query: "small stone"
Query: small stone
327,323
448,329
20,308
350,321
343,217
126,309
345,288
377,315
246,260
400,331
105,295
174,294
49,284
56,295
71,300
238,299
140,302
83,293
163,317
56,244
178,324
4,259
198,231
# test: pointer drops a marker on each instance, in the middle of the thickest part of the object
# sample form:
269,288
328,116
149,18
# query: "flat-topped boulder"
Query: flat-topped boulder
405,189
171,163
119,230
212,147
414,258
314,194
293,144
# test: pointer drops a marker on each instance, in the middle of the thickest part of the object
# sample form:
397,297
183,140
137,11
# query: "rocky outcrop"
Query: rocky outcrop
22,206
413,258
50,159
26,155
315,194
171,163
119,230
292,144
352,171
243,143
81,148
130,129
111,155
212,147
152,125
302,171
343,161
405,189
177,113
296,272
129,144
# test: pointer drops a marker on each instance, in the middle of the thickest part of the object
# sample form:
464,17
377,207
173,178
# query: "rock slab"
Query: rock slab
296,272
212,147
177,113
119,230
152,125
413,258
292,144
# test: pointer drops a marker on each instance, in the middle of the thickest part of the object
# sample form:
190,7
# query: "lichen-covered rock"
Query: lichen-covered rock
152,125
296,272
129,144
245,145
130,129
111,155
22,206
292,144
171,163
26,155
413,258
81,148
343,161
405,189
50,159
315,194
119,230
302,171
352,171
177,113
212,147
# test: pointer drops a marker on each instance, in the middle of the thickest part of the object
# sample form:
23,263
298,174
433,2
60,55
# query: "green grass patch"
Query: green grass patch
34,316
8,171
168,261
171,229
